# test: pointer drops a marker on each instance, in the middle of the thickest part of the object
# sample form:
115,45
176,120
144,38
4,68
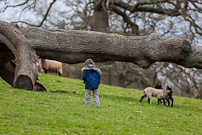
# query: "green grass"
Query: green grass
43,113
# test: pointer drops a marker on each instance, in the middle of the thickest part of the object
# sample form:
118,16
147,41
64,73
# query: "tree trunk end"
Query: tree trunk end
23,82
186,46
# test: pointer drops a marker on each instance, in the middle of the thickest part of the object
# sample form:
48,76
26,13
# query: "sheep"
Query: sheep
169,96
51,65
152,92
159,86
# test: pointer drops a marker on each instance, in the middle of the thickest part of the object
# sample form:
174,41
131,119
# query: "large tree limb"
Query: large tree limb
24,74
72,46
75,46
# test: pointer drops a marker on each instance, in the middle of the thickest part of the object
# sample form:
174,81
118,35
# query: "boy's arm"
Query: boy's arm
84,76
99,78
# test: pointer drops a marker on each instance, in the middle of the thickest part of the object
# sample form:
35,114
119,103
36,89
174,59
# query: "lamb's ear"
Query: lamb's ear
168,88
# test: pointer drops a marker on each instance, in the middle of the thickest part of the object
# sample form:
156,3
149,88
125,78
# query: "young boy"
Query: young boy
91,78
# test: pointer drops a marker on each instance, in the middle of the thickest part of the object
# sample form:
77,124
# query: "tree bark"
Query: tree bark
70,46
26,72
100,18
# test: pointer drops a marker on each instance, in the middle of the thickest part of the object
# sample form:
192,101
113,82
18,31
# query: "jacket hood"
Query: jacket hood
88,68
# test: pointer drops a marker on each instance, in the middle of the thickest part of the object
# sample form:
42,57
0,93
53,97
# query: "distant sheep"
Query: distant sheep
51,65
168,97
152,92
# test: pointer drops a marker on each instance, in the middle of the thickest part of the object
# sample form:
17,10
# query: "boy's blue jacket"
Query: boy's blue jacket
91,76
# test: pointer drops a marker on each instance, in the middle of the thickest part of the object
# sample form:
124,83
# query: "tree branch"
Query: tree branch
45,16
16,5
137,7
126,19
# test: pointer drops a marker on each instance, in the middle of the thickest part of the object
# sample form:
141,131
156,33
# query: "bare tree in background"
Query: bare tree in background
138,17
186,81
170,18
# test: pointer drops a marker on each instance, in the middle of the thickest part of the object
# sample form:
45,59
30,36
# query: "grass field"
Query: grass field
120,113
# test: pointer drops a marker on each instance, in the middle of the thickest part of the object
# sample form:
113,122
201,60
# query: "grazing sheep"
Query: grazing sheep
51,65
152,92
169,96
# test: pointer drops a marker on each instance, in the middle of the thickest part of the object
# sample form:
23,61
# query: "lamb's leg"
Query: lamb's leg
45,71
168,102
164,101
149,100
159,101
144,96
59,74
172,101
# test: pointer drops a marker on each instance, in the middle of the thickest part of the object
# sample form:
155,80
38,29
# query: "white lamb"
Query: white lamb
152,92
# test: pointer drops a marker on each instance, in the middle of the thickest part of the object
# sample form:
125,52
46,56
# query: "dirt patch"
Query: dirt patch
61,91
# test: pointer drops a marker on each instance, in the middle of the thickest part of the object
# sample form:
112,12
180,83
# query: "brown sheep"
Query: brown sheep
51,65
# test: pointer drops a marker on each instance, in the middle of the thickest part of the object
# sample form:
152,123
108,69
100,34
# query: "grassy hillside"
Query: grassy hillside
121,113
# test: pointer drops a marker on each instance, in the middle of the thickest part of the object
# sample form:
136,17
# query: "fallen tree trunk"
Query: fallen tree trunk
70,46
75,46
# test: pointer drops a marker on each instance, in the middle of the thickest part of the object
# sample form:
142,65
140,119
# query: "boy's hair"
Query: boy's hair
89,61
